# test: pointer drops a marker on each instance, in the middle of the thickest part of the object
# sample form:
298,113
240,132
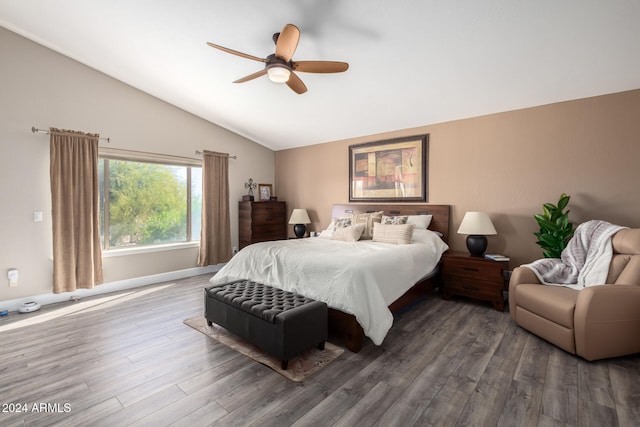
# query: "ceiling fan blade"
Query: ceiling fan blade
287,42
296,84
320,66
252,76
235,52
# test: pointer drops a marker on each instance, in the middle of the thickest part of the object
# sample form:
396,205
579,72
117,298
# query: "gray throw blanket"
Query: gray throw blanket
584,262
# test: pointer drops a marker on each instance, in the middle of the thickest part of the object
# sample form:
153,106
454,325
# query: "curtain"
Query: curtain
77,254
215,235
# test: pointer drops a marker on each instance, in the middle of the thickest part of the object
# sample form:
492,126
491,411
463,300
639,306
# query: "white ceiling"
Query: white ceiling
412,63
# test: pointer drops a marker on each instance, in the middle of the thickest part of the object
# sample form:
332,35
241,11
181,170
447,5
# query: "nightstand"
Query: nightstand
474,277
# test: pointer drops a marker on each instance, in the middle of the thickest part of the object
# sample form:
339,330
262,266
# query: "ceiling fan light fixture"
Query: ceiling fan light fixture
278,74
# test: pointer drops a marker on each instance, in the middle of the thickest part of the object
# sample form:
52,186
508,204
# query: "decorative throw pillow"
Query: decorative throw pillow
394,219
368,219
341,223
397,234
420,221
348,234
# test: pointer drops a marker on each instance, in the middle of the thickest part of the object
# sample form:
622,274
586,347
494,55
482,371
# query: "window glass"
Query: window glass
196,203
148,203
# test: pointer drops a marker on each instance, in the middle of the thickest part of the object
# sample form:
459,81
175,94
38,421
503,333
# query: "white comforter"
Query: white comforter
361,278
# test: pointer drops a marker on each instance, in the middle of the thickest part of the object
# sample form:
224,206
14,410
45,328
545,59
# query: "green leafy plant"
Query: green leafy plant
555,228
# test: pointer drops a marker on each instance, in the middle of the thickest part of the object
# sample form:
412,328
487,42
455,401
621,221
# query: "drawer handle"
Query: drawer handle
470,269
471,288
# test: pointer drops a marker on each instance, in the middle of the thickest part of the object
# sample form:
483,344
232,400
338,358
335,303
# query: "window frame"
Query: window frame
107,154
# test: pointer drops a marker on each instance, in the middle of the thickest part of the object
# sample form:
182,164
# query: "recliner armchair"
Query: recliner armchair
596,322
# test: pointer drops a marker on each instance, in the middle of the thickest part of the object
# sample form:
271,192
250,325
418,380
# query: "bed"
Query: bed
362,282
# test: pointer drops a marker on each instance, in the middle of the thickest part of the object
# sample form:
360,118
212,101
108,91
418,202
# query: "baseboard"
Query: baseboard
44,299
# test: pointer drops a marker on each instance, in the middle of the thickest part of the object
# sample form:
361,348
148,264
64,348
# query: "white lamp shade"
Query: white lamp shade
299,216
278,74
476,223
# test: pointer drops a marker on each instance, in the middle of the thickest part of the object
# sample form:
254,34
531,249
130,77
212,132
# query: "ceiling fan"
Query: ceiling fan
279,66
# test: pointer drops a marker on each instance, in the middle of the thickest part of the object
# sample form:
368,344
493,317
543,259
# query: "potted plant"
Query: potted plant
555,228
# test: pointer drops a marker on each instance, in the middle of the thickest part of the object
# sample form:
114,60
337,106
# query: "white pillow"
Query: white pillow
420,221
339,223
397,234
348,234
425,236
326,233
399,219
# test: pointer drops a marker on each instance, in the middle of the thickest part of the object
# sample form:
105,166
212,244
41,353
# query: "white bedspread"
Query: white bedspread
361,278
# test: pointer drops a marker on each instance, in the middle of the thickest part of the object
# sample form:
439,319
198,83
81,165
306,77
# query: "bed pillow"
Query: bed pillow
423,236
420,221
394,219
348,234
368,219
326,233
339,223
400,234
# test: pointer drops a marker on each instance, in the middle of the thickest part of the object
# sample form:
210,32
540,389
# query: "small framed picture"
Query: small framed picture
265,191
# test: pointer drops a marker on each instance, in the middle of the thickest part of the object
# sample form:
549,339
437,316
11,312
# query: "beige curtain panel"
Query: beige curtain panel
215,237
77,254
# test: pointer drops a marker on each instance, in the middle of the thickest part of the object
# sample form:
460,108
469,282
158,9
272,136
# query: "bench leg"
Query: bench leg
209,322
285,364
320,345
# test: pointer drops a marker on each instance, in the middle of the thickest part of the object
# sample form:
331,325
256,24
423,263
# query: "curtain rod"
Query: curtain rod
36,130
199,153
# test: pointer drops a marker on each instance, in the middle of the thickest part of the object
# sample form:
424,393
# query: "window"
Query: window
148,202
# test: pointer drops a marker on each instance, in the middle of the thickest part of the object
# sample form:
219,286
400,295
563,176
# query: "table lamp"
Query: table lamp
477,225
299,217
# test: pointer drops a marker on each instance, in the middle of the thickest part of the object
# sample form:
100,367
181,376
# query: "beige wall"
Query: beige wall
43,88
506,164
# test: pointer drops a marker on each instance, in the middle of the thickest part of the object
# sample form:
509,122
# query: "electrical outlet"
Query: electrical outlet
12,275
235,250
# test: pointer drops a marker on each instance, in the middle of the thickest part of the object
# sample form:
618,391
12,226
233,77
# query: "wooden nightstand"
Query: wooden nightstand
474,277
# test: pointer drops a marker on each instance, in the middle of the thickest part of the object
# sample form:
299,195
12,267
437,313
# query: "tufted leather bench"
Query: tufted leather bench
282,323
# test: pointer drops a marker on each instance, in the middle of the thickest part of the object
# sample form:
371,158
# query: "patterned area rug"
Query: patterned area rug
299,368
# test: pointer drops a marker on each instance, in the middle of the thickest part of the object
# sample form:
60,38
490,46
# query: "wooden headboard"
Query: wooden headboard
439,222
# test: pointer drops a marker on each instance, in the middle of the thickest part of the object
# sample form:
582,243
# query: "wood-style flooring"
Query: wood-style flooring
127,359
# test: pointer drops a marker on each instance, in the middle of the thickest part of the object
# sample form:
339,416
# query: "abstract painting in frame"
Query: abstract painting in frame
393,170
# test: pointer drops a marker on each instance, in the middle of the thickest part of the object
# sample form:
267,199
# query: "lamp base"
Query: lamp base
299,230
476,244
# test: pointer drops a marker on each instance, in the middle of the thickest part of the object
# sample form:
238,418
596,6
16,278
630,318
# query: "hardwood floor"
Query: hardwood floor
127,359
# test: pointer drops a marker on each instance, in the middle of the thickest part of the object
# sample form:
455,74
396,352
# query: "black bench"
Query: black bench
282,323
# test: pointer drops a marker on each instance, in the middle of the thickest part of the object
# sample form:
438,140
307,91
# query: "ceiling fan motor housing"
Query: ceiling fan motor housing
278,69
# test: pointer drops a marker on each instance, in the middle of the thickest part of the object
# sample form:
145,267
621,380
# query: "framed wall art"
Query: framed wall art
265,191
393,170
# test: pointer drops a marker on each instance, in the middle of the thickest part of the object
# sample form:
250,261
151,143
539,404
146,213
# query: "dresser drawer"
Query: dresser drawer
262,221
463,285
267,218
268,208
473,277
275,231
474,269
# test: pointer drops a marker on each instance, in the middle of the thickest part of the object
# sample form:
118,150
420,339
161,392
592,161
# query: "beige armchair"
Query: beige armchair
596,322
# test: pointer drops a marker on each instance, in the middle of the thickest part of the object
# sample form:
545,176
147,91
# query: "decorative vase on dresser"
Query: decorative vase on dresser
262,221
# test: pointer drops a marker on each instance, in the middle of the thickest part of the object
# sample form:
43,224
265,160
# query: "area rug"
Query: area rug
299,367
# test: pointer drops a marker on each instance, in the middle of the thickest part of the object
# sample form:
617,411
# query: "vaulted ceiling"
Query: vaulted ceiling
411,63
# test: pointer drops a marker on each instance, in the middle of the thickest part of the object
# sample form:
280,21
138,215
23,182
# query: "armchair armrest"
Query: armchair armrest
523,275
519,275
607,321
